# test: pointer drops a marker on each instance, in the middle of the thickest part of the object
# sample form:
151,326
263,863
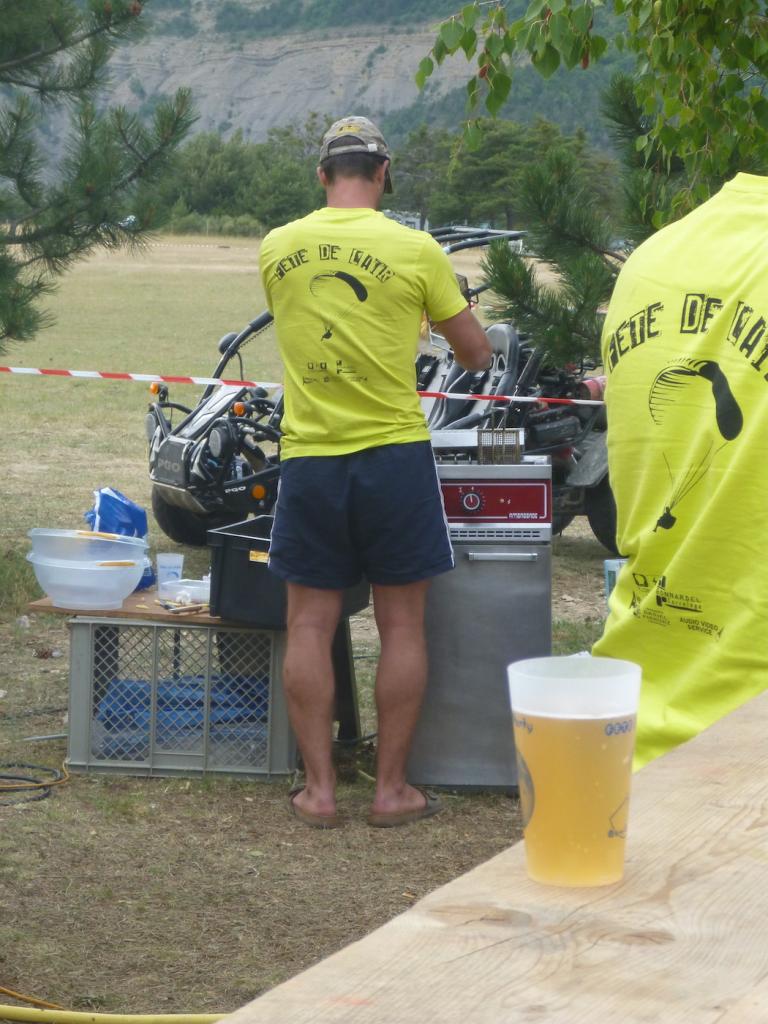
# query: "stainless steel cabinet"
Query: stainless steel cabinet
493,608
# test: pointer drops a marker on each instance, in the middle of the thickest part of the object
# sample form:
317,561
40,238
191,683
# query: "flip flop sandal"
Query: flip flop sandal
307,817
391,819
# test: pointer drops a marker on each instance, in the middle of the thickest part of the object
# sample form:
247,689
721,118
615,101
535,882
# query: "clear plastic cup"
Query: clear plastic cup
169,567
574,730
612,567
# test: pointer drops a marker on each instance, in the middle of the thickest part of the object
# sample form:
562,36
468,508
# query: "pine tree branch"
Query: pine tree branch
65,43
123,135
60,48
51,86
183,117
561,215
564,320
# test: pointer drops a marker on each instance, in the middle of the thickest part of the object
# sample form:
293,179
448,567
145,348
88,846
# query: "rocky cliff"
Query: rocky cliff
256,83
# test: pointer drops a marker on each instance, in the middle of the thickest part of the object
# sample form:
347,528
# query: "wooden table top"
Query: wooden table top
682,940
139,605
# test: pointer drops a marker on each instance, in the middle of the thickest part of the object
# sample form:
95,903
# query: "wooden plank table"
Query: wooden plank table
682,940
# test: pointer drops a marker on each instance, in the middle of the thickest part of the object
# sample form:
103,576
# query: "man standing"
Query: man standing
686,349
359,493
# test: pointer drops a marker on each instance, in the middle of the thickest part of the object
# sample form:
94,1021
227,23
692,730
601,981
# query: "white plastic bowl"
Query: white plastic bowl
85,546
87,585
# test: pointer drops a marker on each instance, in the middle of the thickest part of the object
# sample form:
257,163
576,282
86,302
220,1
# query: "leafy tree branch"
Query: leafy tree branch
699,71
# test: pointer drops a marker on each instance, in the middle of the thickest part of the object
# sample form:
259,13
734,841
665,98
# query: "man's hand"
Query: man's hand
468,340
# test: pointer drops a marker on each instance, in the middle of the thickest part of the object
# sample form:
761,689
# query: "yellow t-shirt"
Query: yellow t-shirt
685,346
348,288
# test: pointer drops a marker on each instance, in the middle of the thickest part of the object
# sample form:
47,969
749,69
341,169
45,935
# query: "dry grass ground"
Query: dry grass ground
158,895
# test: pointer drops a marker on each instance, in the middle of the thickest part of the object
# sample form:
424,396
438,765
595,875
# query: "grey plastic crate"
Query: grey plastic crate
155,699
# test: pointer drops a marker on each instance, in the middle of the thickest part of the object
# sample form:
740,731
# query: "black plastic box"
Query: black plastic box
242,587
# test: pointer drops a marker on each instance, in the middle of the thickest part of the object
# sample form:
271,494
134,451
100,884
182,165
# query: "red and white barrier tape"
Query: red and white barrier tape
144,378
156,378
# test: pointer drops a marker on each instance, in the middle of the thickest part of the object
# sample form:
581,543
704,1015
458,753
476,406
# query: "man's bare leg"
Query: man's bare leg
308,681
400,683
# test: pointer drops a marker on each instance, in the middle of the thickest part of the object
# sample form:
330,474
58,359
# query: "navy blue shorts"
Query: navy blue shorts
376,513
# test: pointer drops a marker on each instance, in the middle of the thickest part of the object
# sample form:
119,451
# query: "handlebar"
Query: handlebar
261,321
454,238
477,240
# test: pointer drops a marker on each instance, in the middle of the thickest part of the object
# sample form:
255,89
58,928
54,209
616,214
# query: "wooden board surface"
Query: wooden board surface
682,940
139,605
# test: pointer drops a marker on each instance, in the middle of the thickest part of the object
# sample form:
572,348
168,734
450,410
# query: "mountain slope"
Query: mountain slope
258,64
253,82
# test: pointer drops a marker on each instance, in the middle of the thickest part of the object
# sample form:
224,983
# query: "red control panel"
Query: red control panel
492,501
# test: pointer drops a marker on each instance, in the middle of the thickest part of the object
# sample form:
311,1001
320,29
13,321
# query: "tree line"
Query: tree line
231,185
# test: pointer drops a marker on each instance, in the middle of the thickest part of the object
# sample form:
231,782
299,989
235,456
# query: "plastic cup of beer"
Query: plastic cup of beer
574,731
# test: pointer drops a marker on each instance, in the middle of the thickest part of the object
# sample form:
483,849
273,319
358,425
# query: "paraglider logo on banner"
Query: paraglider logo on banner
341,290
698,383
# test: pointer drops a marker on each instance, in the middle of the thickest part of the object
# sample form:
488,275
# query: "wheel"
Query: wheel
182,525
560,520
600,507
566,505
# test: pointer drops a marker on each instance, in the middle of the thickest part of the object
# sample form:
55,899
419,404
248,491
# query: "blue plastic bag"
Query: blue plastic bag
112,512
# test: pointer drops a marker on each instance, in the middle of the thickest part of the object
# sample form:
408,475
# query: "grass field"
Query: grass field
159,895
161,311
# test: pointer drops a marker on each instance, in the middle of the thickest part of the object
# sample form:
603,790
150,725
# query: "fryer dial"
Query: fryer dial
472,501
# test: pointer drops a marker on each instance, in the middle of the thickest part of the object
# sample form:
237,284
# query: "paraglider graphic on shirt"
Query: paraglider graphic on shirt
338,294
683,386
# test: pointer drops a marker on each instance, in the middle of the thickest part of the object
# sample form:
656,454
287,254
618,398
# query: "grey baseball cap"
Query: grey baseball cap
355,134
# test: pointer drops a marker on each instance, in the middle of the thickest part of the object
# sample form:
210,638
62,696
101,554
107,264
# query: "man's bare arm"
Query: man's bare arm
467,339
